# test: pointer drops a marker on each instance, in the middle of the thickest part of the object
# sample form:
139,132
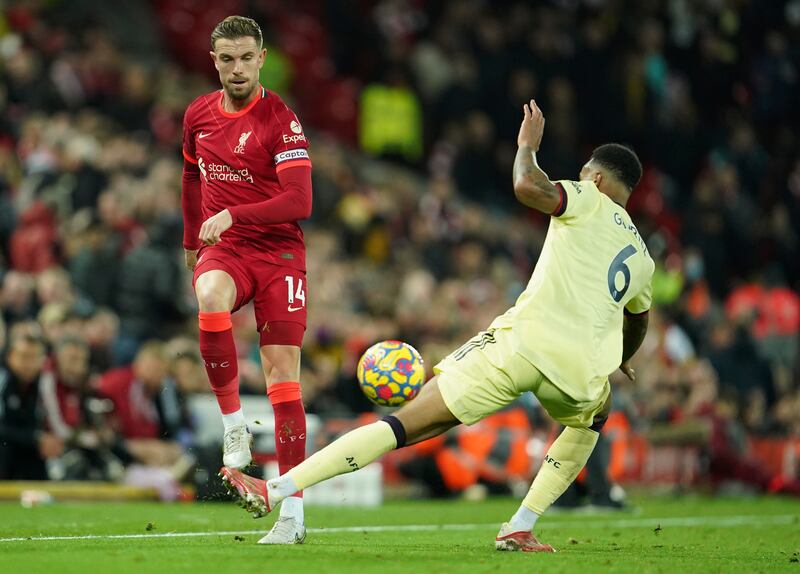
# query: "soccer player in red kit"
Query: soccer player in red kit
246,184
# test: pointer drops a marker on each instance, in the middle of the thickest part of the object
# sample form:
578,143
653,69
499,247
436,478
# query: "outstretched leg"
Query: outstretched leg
423,418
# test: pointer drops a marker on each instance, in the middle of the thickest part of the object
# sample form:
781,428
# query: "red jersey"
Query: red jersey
239,156
136,413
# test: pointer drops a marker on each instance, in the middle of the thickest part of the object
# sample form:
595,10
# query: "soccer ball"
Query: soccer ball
391,373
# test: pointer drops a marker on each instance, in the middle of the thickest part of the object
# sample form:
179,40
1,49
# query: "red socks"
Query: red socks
290,425
219,354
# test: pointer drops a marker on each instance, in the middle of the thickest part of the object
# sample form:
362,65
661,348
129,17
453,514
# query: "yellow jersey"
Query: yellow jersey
594,264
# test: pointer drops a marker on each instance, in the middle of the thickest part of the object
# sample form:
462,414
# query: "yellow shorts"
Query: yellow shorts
486,374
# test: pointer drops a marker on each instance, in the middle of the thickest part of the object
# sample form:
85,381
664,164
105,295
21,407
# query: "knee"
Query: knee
598,422
281,363
281,375
213,298
600,418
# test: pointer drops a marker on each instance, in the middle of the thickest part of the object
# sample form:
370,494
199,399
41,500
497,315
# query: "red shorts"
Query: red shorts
278,293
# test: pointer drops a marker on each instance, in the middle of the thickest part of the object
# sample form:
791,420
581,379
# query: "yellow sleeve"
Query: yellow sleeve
641,303
577,199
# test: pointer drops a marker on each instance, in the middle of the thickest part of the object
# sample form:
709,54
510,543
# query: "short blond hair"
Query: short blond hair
234,27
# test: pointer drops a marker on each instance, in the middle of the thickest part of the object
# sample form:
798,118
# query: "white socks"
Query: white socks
292,507
524,520
280,488
233,419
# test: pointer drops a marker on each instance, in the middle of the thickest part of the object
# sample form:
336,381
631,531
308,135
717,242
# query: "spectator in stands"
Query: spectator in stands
187,369
147,293
391,118
101,330
17,297
709,419
25,444
34,245
94,261
737,364
148,410
92,450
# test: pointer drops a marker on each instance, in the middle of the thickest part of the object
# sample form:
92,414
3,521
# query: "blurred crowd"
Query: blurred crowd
415,233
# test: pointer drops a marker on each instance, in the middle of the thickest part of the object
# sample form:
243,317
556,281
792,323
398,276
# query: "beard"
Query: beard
239,91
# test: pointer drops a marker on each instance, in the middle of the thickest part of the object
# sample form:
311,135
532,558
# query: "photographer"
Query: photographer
78,417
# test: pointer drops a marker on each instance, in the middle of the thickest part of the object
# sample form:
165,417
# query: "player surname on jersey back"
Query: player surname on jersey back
632,228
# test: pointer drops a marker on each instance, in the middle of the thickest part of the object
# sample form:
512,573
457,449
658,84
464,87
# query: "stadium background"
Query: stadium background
412,109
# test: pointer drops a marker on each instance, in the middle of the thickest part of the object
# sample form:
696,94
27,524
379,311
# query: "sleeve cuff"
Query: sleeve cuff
562,203
234,211
292,163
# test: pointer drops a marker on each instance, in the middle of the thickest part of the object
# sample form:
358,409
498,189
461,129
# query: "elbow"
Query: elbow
305,206
191,173
526,192
303,209
636,323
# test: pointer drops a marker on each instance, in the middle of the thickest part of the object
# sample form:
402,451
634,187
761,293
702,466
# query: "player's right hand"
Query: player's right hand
212,229
190,255
532,128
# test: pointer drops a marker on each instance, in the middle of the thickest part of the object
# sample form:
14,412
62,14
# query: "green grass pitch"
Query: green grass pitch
688,534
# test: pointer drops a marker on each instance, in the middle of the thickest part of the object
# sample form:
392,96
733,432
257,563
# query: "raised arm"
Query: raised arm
532,187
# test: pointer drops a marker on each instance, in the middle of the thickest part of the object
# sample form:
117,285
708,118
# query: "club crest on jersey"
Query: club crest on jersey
242,141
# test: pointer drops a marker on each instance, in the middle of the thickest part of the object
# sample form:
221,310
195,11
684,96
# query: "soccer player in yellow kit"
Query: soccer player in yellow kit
582,316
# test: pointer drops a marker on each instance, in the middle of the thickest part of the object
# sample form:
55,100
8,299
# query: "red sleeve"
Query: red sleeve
191,198
191,201
288,145
291,205
189,149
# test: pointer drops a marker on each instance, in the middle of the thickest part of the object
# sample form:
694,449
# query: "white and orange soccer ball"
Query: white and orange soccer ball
391,373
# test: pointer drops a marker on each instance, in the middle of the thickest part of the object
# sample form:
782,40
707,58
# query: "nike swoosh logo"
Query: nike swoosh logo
293,309
201,135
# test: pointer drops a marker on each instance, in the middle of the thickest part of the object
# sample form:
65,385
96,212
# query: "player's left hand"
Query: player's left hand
628,370
213,227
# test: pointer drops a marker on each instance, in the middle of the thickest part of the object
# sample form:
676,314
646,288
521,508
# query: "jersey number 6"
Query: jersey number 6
618,266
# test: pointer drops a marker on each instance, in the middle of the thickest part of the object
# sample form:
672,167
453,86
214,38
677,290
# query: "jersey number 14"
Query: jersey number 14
299,294
618,266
